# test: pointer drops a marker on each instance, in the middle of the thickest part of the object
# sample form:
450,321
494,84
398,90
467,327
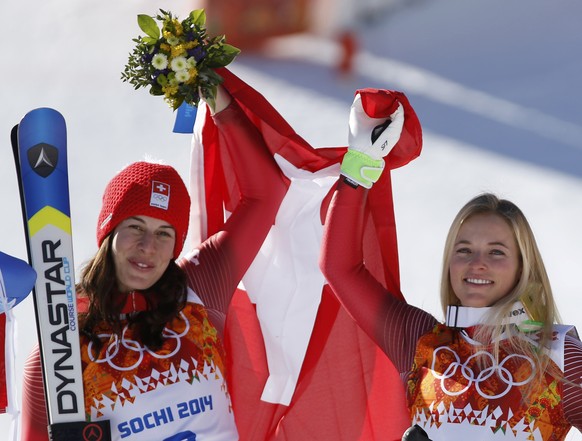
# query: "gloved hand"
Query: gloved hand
369,140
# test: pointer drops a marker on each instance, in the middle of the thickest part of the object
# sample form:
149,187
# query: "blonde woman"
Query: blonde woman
500,367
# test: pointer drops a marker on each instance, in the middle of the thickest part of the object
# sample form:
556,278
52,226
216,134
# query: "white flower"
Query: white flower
182,76
173,41
160,61
191,62
178,64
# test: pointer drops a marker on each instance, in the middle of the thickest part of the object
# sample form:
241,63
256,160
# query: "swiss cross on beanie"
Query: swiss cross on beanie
146,189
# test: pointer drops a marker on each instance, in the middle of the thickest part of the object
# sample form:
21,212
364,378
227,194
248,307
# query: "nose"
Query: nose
477,260
147,242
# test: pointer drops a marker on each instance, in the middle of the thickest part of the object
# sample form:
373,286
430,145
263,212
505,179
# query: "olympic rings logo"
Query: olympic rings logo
117,342
160,197
503,373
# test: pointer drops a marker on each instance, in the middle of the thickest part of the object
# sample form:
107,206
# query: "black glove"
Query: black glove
415,433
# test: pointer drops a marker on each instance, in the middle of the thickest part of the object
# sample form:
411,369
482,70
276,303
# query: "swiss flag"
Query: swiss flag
300,368
160,188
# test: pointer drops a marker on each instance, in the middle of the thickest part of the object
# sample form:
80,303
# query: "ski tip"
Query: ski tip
43,111
42,125
14,135
39,118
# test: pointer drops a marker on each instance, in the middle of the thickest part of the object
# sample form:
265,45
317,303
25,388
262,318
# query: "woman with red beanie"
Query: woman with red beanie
151,325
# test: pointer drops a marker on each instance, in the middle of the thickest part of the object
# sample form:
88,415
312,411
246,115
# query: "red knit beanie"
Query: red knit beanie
146,189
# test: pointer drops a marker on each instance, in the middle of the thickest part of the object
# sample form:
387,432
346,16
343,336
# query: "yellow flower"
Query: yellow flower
170,100
193,75
191,44
170,90
165,47
178,50
177,26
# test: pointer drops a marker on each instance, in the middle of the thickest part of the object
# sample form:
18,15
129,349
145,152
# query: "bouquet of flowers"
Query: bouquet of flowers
177,61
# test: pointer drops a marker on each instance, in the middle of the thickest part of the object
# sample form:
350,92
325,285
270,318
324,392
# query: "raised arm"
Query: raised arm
391,323
261,185
229,253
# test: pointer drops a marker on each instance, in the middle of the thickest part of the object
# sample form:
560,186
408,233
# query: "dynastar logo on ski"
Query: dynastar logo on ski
59,290
43,159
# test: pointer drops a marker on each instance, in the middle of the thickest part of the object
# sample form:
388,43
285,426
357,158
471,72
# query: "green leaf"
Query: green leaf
156,91
211,103
150,41
208,94
149,26
230,51
177,102
210,76
198,17
227,54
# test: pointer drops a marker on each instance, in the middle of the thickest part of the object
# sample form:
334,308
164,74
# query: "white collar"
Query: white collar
465,316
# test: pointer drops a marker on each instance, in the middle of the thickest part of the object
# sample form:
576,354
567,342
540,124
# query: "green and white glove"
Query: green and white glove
369,141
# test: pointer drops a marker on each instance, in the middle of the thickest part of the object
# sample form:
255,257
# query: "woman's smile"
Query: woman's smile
485,262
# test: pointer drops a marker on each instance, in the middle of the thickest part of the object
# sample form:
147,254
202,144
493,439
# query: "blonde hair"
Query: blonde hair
533,281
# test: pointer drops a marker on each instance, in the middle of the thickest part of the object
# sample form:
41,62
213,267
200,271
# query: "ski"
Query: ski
39,144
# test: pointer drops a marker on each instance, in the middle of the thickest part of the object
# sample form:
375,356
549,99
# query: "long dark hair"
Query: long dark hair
166,298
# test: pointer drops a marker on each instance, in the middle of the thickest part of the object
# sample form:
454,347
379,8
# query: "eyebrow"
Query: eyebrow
467,242
139,219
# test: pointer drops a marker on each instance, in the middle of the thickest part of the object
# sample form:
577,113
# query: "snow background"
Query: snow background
496,85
